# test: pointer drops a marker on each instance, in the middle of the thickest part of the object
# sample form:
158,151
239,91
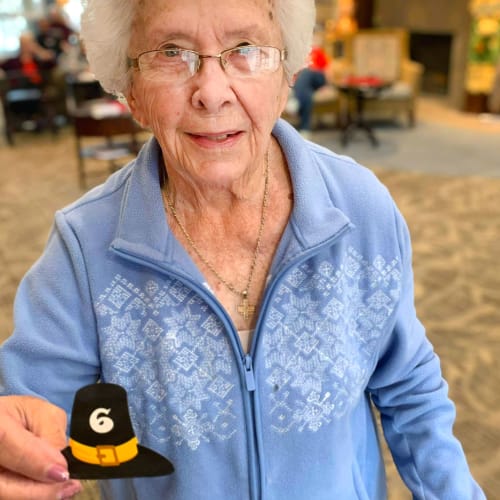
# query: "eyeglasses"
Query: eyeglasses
173,64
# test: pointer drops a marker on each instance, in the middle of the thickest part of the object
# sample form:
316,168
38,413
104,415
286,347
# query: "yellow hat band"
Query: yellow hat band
105,455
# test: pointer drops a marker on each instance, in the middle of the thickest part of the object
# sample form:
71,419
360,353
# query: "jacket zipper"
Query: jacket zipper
255,469
249,375
248,359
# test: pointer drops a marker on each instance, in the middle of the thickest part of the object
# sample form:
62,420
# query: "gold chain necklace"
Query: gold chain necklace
245,308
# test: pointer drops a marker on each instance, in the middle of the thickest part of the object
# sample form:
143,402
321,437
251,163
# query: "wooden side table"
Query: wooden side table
359,90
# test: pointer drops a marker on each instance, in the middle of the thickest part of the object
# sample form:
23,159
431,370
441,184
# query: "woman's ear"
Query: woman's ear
135,106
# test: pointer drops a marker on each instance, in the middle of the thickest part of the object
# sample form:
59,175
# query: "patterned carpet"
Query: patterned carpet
454,221
455,227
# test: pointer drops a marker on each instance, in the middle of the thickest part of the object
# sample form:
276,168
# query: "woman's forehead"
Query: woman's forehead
228,18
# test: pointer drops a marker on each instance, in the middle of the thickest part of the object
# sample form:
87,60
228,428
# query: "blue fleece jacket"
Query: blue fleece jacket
115,297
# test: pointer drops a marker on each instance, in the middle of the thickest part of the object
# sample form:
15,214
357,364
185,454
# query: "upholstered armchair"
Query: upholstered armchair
383,53
325,112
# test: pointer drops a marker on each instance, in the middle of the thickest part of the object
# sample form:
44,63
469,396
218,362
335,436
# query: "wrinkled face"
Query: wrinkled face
212,127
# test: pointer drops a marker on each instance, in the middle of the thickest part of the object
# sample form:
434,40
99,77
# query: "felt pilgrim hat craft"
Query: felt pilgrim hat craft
102,443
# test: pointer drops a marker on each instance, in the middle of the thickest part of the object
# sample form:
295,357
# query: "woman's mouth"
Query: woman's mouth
221,137
217,138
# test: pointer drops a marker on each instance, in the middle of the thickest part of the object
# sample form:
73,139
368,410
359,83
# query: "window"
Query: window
16,16
73,10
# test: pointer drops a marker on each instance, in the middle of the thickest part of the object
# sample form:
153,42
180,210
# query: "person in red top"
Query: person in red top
319,59
308,81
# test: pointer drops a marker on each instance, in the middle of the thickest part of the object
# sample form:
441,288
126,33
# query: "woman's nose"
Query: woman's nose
212,86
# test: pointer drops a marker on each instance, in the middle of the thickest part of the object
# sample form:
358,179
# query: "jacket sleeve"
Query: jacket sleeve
417,417
53,350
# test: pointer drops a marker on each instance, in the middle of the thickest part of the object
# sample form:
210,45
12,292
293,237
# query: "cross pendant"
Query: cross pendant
246,309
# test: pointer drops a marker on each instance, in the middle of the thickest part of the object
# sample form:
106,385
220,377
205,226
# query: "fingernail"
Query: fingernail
69,491
58,473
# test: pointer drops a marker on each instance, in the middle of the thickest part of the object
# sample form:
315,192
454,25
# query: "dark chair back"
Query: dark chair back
78,92
25,104
115,139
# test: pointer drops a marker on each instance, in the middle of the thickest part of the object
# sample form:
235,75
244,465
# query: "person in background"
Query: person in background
30,64
250,290
308,81
53,31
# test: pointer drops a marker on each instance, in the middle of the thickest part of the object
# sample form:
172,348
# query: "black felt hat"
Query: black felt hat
102,442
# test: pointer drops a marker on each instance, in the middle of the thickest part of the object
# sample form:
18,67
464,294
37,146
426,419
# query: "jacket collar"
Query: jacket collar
142,232
315,218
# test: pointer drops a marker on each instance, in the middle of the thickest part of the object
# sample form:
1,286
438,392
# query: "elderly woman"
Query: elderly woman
251,291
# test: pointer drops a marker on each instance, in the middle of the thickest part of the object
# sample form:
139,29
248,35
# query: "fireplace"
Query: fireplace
433,50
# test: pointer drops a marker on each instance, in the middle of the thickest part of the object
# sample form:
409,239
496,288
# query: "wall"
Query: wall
325,10
434,16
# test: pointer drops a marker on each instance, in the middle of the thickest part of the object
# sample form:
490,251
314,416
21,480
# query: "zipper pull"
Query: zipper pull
249,376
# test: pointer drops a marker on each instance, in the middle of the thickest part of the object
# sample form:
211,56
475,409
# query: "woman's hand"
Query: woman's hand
32,433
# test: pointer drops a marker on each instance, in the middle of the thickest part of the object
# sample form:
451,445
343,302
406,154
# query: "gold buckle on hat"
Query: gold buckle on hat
107,455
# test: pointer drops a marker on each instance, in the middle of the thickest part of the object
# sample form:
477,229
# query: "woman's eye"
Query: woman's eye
249,50
243,47
171,52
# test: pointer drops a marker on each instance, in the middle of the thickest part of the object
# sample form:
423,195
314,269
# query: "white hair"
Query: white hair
105,31
106,28
296,19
